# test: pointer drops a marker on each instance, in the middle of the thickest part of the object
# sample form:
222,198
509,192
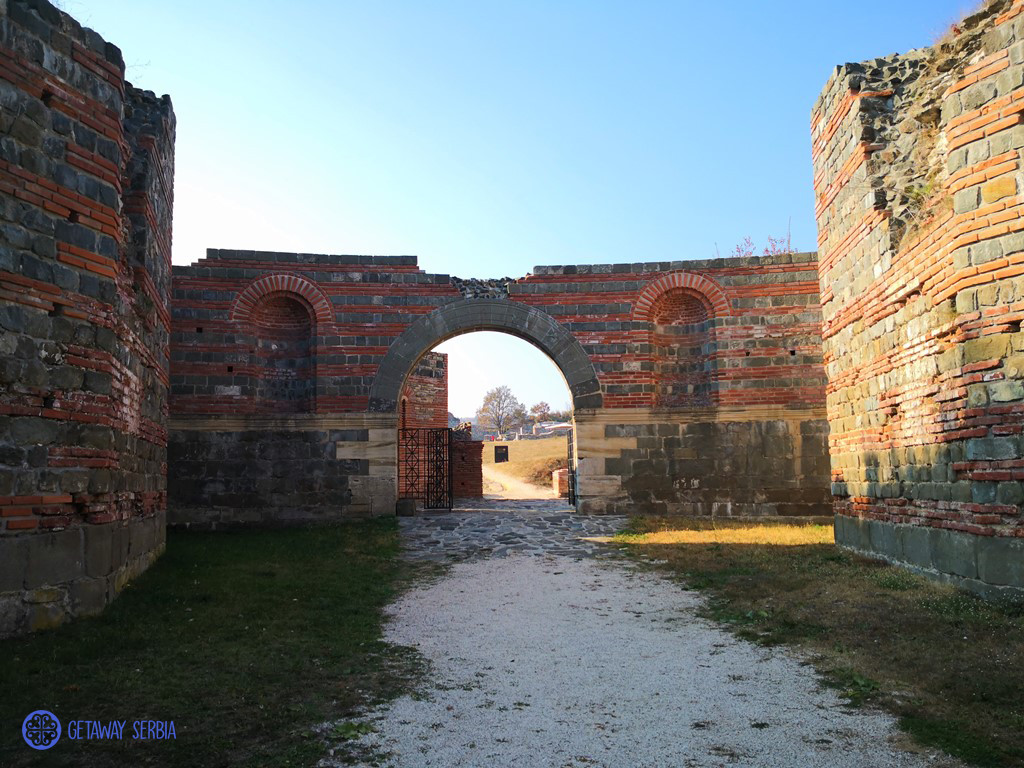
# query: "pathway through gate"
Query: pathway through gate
547,648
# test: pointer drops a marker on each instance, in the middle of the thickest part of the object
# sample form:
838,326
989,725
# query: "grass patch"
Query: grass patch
245,640
943,661
530,461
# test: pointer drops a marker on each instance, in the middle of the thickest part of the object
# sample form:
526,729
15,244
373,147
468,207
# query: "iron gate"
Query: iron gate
572,469
425,466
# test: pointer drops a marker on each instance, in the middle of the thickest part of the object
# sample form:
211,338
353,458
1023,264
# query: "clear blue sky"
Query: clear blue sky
488,137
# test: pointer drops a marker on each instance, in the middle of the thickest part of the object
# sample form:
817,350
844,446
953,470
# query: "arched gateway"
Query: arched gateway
458,317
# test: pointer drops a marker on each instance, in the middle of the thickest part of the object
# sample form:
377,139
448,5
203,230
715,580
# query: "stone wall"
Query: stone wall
282,471
918,187
86,177
698,386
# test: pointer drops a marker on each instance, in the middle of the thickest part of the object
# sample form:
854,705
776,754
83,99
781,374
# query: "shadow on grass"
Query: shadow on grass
245,640
943,661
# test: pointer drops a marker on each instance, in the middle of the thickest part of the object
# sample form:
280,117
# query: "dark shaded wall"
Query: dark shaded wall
86,196
277,475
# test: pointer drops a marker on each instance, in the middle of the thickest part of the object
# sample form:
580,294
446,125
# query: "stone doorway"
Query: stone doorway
405,360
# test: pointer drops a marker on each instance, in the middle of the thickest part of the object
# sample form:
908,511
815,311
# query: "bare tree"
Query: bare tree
540,412
501,411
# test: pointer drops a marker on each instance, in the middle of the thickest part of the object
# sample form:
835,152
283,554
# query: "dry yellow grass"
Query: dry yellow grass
527,450
773,535
529,460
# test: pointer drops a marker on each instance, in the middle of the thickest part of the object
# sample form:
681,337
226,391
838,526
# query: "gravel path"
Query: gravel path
563,658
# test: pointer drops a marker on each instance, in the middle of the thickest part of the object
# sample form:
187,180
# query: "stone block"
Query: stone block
986,348
599,485
54,558
98,552
992,448
983,493
44,595
886,538
852,532
141,534
1010,493
13,562
13,614
1001,561
965,200
955,552
34,431
119,540
1006,391
997,189
917,545
985,251
46,616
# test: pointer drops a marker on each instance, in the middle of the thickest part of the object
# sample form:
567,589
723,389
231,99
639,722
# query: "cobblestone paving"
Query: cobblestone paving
499,527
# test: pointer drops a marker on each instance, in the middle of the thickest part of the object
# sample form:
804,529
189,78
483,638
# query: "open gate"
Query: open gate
425,466
571,455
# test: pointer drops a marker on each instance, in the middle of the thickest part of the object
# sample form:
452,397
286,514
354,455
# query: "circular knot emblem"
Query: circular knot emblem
41,729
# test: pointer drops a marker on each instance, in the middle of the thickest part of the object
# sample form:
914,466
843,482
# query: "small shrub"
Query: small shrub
540,473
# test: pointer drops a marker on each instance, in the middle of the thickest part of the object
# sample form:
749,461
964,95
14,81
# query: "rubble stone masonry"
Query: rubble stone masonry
86,190
917,175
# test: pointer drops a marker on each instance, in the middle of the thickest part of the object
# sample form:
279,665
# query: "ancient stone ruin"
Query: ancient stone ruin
917,163
86,170
270,388
745,433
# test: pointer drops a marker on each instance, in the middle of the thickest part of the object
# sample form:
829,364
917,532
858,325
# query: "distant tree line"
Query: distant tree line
502,412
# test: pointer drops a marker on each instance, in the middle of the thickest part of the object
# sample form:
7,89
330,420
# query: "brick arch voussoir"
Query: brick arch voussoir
282,283
706,289
468,315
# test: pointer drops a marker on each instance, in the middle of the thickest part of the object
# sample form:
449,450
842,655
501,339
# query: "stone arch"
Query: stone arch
708,290
466,315
247,299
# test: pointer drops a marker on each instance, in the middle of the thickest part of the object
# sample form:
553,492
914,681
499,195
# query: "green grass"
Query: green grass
943,661
245,640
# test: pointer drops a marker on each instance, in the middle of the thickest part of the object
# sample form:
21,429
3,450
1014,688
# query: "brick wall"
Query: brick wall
710,372
467,469
918,187
86,174
425,395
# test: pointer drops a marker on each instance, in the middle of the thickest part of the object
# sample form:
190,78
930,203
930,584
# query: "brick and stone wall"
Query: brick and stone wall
711,379
698,386
467,469
917,169
560,482
424,403
86,177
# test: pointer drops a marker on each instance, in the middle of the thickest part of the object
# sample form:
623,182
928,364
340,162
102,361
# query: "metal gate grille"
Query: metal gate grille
425,466
572,469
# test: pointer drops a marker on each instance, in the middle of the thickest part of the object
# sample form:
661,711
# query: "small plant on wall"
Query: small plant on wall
775,247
